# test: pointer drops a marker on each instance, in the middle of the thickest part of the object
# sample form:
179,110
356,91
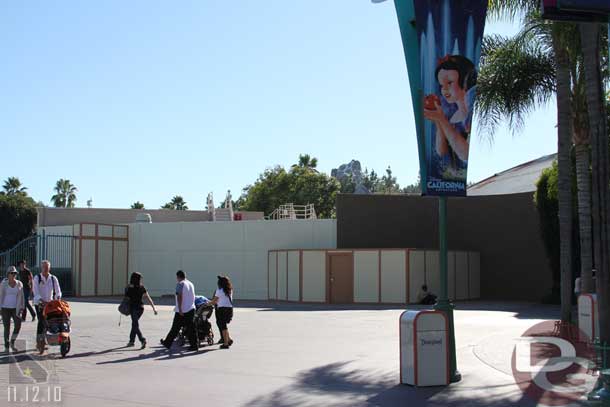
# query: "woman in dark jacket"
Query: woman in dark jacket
135,291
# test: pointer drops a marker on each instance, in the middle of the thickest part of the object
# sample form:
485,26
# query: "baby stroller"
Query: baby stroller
201,322
57,332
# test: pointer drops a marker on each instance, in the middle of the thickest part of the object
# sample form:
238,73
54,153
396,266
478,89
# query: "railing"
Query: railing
55,248
292,212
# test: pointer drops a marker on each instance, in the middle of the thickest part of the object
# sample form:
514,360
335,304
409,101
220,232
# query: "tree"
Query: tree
12,186
539,53
306,161
388,184
65,195
177,203
301,185
17,219
370,181
137,205
348,186
591,40
413,188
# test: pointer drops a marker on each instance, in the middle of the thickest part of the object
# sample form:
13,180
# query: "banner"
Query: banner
449,34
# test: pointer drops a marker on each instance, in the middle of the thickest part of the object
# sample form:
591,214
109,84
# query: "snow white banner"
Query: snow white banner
447,36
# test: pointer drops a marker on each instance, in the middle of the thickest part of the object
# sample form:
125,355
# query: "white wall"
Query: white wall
207,249
393,276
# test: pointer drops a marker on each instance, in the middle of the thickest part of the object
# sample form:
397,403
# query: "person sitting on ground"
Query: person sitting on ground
184,313
425,297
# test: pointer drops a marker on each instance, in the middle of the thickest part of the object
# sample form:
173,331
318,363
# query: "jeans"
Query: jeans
7,315
42,324
180,321
28,307
136,313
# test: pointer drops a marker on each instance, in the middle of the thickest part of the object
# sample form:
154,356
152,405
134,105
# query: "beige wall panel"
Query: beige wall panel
474,261
104,267
88,268
119,280
293,276
433,275
254,285
88,230
314,276
273,275
76,267
393,276
282,274
366,276
120,231
461,272
417,273
104,230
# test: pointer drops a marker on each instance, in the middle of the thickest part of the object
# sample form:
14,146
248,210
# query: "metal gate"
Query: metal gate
55,248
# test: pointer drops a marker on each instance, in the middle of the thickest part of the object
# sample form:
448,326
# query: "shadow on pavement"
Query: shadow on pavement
368,388
160,353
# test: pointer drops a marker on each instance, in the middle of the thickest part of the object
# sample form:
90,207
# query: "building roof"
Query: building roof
519,179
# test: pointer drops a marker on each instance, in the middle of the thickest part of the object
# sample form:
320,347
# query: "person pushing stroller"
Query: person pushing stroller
184,313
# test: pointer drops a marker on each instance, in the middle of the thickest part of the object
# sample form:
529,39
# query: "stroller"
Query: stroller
57,332
201,322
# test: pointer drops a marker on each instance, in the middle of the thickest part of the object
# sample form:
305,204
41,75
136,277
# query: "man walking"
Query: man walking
25,276
184,313
46,288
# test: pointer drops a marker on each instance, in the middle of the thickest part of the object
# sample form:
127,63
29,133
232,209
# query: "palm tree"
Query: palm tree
65,196
536,62
601,173
137,205
12,186
177,203
306,161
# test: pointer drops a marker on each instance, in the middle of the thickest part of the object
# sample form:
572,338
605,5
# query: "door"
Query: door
341,278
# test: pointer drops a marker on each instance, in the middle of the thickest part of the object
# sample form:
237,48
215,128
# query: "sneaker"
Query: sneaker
143,344
130,344
230,342
224,346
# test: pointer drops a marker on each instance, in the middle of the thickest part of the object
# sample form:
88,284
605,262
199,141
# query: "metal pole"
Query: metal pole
443,303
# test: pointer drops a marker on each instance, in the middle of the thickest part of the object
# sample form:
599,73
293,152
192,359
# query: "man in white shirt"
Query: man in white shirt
184,313
46,288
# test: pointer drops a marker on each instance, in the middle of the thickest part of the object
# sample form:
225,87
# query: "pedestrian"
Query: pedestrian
25,276
11,301
45,287
184,313
135,291
223,299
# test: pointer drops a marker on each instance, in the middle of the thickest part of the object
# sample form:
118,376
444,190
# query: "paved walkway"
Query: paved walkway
283,356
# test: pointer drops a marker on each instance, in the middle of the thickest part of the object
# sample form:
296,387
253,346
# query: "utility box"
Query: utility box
588,317
424,348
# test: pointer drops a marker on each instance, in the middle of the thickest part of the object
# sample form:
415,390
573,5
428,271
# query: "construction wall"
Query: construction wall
388,276
504,229
100,259
204,250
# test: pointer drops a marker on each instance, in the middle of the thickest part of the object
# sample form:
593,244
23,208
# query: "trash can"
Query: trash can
424,349
588,317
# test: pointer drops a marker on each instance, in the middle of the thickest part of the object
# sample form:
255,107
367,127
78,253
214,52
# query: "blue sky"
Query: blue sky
143,100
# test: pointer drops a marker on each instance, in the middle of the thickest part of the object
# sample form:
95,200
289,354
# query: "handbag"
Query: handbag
125,305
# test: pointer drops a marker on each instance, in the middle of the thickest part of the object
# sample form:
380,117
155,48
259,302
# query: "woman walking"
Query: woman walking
223,299
135,291
11,301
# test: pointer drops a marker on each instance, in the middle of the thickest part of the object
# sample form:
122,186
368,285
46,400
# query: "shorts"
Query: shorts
224,315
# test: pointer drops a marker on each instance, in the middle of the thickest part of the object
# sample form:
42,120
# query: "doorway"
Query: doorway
340,280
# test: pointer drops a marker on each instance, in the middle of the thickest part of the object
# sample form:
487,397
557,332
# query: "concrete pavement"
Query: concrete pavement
284,355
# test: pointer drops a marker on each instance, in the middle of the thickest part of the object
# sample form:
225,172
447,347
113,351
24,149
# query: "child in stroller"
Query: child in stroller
57,321
203,328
